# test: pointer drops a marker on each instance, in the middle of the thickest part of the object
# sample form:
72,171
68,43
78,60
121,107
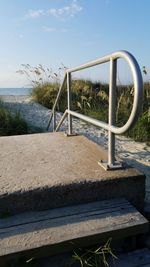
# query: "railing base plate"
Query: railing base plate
73,134
117,165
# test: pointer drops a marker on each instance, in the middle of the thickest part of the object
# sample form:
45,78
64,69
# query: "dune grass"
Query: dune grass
11,124
92,99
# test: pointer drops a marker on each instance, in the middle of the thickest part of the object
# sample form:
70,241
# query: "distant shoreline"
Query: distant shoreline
20,91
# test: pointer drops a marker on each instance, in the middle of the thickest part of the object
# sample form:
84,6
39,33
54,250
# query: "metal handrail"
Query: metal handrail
56,101
110,127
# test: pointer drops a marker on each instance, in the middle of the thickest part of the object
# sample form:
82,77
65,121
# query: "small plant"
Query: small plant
84,103
141,131
11,124
94,257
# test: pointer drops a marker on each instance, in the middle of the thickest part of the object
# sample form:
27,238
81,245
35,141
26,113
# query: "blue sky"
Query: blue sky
51,32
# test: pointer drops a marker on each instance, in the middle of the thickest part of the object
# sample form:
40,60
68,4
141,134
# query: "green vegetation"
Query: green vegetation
97,256
11,124
90,98
94,257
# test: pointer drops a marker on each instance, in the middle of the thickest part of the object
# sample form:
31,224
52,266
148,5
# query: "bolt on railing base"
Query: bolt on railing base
116,166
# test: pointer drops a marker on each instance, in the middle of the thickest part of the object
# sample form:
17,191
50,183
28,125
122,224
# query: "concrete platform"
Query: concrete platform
50,170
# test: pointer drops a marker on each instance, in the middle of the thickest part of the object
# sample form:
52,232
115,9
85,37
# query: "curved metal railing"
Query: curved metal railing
110,127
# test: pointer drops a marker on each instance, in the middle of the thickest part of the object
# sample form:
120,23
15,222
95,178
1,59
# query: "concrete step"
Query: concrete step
58,230
50,170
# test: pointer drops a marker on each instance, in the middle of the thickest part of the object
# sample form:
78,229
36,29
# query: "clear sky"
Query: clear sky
51,32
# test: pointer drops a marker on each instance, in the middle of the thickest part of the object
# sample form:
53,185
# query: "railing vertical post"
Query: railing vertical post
69,103
54,121
112,111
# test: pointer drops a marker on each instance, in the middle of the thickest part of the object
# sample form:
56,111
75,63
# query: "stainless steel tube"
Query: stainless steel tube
112,111
69,103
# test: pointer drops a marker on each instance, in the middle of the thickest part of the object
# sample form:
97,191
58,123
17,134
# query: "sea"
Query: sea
15,91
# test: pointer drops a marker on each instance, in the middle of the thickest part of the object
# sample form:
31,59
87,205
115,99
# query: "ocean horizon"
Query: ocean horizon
16,91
